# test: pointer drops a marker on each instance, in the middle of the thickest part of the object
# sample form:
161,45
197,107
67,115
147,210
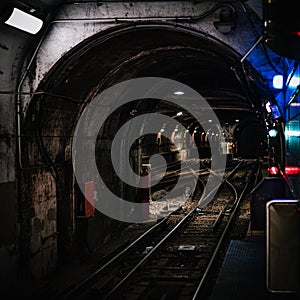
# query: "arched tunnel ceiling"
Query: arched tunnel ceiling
206,66
53,7
171,50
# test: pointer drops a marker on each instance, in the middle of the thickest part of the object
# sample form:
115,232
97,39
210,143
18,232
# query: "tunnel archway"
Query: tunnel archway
124,52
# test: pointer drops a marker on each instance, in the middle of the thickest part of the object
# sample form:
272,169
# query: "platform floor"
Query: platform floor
243,273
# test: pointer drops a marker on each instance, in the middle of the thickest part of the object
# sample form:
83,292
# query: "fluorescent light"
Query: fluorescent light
179,93
179,113
295,81
289,133
278,81
26,22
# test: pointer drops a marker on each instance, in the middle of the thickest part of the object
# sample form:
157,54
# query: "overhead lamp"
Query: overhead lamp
278,82
179,93
24,21
294,82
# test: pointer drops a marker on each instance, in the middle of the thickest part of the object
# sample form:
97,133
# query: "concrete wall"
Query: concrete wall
12,47
41,224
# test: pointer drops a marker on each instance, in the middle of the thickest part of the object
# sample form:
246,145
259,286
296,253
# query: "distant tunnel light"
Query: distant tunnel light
26,22
278,82
290,170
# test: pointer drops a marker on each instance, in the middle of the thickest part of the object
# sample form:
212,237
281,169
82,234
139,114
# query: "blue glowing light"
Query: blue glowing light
273,132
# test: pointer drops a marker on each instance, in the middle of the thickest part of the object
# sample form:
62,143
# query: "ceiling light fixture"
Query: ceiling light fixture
179,93
278,82
24,21
294,82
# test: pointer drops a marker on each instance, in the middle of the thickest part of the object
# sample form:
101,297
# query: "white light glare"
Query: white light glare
292,133
179,113
295,81
268,107
179,93
278,81
26,22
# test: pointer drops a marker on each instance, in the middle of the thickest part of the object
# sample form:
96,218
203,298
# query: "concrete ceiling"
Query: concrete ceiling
50,6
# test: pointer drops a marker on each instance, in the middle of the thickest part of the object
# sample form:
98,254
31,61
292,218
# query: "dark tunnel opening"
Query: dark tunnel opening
144,50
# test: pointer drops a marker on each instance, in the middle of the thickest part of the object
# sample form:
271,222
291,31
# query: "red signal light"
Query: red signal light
273,170
290,170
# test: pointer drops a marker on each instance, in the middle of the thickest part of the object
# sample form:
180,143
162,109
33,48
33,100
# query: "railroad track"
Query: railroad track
172,259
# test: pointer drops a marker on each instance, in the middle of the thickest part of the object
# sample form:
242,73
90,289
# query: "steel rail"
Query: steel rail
109,263
166,237
81,285
222,236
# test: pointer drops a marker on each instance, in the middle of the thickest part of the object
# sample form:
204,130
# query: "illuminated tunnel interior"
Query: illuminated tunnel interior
229,75
156,50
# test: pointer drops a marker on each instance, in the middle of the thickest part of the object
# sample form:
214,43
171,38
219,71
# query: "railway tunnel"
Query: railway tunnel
207,55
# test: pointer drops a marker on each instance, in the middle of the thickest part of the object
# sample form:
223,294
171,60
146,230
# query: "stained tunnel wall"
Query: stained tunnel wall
49,187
